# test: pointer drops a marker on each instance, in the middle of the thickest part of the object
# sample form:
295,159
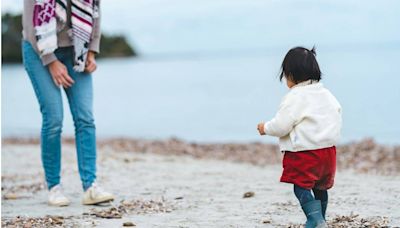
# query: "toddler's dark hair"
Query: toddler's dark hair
300,65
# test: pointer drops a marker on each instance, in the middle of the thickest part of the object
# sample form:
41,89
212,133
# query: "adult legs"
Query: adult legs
80,98
51,108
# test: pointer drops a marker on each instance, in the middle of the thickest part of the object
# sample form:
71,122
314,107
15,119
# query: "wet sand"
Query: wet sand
174,183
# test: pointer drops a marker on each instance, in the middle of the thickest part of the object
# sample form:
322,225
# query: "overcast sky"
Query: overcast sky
165,26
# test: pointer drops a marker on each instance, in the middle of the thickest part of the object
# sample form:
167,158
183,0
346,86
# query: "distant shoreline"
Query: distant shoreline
365,156
110,45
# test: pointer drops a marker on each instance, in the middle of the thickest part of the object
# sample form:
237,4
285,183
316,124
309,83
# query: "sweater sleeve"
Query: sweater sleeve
47,59
94,44
285,119
29,31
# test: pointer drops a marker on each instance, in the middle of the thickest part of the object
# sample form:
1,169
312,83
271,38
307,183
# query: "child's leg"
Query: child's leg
322,195
303,195
310,206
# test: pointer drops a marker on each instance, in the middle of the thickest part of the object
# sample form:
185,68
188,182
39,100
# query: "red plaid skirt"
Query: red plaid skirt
310,169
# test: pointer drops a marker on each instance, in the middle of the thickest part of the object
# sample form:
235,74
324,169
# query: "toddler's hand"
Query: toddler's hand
260,128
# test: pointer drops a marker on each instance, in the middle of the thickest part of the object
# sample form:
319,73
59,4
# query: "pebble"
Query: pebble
266,221
128,224
134,207
248,194
10,196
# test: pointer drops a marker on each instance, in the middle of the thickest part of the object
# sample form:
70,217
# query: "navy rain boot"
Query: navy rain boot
313,213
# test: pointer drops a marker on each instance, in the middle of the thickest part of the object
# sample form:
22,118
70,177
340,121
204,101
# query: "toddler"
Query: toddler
308,125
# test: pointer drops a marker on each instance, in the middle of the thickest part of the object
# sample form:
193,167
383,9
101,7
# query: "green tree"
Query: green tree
11,35
11,27
115,46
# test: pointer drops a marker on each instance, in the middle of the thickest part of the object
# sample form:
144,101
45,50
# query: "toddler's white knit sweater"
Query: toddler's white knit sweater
309,117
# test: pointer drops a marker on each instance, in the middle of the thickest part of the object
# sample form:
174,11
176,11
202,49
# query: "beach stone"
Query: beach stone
266,221
10,196
128,224
248,194
58,220
28,225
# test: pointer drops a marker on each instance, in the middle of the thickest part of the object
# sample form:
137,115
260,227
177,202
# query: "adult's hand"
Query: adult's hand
60,75
91,65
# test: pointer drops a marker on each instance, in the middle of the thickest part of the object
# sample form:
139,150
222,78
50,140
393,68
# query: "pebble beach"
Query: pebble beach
174,183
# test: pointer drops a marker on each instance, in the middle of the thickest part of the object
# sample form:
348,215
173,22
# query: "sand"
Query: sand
176,190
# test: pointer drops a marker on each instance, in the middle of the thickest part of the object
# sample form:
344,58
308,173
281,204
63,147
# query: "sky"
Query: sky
195,26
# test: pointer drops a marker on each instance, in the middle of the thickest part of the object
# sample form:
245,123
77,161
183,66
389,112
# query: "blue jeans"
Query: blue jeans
80,98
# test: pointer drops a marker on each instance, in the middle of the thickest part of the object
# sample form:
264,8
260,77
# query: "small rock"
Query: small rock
58,220
266,221
10,196
248,194
28,225
128,224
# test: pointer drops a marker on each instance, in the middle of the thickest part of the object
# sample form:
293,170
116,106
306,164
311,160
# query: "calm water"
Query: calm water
217,97
210,68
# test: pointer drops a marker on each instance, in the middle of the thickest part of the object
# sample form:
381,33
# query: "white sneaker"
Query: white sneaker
95,195
57,197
